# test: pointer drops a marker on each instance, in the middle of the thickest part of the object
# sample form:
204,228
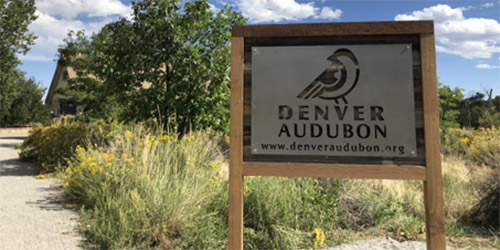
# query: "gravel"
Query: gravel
383,244
33,214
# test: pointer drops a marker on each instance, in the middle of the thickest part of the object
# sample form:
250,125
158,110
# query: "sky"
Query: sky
467,32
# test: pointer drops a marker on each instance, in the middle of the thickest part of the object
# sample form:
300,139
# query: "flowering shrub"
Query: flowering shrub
142,188
149,189
145,190
51,147
455,141
482,146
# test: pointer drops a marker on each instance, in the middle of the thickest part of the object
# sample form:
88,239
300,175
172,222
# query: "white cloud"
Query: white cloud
259,11
213,9
327,13
456,34
57,17
488,5
69,9
487,66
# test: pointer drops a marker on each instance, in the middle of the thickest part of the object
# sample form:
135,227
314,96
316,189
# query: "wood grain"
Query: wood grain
235,221
328,29
291,169
433,186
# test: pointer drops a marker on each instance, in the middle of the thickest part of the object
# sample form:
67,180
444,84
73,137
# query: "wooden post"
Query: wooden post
235,234
426,168
433,186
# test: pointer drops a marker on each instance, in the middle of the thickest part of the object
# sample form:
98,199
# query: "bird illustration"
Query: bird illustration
332,79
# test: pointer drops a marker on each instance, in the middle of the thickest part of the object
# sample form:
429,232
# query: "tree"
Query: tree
15,16
27,106
471,109
449,100
180,50
480,110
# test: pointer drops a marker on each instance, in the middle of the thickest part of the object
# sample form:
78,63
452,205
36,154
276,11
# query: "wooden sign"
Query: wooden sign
336,100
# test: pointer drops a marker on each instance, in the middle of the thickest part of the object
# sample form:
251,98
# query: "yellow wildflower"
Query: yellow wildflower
108,165
464,140
128,134
124,156
131,160
92,172
41,176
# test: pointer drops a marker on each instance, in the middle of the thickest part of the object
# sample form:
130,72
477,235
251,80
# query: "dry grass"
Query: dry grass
397,207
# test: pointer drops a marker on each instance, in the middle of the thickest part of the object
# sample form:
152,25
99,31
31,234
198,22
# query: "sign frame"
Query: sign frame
428,169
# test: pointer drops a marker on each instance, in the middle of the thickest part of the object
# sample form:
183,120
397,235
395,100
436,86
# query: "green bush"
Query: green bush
149,189
145,190
142,188
455,141
282,212
481,146
485,147
51,147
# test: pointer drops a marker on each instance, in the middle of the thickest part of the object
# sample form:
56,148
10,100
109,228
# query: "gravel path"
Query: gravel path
384,244
32,211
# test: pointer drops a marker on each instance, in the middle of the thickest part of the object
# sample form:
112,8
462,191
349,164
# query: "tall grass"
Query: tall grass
145,188
397,207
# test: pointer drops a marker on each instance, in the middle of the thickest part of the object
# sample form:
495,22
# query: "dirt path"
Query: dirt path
32,211
384,244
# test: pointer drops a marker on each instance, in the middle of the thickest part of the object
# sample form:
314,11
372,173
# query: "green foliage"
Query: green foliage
481,146
15,16
139,189
276,219
179,51
480,110
455,141
490,118
19,97
26,104
142,188
471,109
148,190
485,147
449,100
52,147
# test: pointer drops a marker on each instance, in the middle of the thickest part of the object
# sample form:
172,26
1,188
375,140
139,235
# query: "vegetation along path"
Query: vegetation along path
32,211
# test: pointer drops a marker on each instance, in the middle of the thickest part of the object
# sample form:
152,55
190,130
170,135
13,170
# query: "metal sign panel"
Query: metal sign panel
353,100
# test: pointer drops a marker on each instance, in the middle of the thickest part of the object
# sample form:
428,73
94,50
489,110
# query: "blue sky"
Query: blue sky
467,32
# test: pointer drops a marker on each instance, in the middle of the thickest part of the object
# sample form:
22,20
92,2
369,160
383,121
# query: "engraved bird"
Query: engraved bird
332,78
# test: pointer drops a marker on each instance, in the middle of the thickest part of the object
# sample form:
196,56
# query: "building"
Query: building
59,80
